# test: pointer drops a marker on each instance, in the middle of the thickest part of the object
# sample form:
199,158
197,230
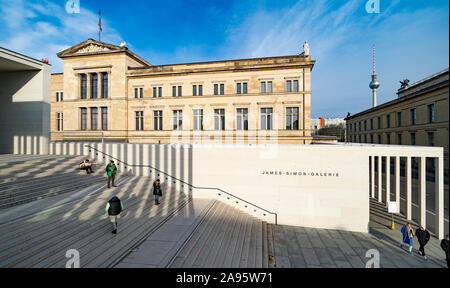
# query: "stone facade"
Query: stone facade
138,91
419,116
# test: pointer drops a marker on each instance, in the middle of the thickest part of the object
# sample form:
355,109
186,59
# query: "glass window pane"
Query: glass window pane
222,89
269,87
288,86
216,89
238,88
245,87
263,87
295,85
200,90
174,91
179,91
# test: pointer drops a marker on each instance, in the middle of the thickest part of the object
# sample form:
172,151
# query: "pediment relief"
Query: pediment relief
92,48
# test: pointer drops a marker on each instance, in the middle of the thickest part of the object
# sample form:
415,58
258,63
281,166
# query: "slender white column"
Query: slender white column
439,194
380,183
388,180
408,187
422,192
372,176
145,159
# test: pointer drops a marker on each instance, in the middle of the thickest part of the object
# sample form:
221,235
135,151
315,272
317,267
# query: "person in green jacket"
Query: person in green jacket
111,172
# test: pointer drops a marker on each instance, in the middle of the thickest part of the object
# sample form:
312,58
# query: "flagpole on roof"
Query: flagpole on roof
99,24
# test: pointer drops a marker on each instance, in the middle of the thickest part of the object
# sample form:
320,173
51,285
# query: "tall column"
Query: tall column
380,183
388,180
397,180
439,196
422,191
88,85
408,188
372,176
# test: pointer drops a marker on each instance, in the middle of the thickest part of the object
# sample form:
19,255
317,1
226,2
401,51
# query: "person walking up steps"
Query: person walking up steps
114,207
408,236
423,236
111,172
157,191
445,245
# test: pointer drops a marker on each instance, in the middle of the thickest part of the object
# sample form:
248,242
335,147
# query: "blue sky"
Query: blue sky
411,37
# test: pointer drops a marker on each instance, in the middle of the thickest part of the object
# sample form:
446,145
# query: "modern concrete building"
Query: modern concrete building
419,116
108,91
24,104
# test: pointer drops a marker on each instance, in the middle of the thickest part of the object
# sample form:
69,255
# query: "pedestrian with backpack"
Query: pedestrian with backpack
114,207
111,169
157,191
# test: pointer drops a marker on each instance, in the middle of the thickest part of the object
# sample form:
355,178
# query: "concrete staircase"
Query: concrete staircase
226,238
30,178
41,220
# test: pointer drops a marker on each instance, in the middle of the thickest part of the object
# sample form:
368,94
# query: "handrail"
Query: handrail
186,183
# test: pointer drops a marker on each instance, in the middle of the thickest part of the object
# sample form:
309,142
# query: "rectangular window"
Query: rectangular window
371,124
365,125
359,124
295,85
139,120
238,88
399,119
200,90
288,86
263,87
399,139
219,119
198,119
430,139
413,116
222,89
269,86
194,90
83,84
157,120
431,113
59,96
179,91
83,119
174,91
159,92
244,88
105,85
388,138
371,138
136,93
154,92
292,118
379,122
379,139
59,118
266,118
94,118
94,86
104,118
413,138
141,92
216,89
388,121
177,120
242,119
365,138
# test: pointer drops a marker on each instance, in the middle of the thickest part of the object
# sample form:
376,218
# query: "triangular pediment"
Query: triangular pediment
90,47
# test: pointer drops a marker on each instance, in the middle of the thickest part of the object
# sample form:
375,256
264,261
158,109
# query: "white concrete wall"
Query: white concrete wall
332,191
25,111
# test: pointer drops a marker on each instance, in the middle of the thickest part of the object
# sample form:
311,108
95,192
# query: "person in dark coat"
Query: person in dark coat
445,245
157,191
423,237
114,207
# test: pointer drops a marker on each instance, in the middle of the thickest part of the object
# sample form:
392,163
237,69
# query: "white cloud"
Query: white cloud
40,29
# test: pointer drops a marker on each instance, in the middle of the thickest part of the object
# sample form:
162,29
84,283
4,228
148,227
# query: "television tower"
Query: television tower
374,84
